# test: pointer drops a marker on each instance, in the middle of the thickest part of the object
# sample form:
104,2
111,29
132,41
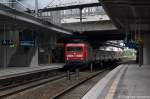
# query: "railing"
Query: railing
57,17
92,11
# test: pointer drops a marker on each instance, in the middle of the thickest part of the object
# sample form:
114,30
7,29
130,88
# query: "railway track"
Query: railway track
52,88
13,85
65,94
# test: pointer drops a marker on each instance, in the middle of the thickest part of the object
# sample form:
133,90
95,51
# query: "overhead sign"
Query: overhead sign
8,43
139,39
27,43
4,42
131,44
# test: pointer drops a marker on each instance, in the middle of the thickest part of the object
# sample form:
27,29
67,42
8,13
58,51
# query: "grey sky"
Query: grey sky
70,2
43,3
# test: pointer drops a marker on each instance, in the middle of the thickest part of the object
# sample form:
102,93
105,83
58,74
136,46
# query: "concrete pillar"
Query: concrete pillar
146,49
34,61
36,8
140,54
81,19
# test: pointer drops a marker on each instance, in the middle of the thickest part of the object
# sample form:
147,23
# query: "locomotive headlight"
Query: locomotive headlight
69,55
79,55
67,58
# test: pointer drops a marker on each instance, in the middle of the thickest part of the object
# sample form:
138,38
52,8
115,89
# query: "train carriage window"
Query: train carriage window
74,49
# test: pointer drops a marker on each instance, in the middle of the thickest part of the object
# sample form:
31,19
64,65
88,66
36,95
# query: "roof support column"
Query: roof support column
81,19
140,54
36,8
146,49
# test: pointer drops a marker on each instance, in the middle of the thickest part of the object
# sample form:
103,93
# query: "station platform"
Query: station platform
15,71
127,81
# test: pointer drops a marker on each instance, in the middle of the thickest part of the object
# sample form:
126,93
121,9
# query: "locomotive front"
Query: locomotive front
75,53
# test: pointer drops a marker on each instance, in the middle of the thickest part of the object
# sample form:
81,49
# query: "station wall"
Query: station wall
12,54
6,51
45,51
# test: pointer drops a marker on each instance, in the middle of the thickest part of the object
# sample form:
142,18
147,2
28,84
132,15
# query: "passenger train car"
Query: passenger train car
105,58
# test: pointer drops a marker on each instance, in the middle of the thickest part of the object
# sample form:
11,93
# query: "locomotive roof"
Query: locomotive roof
74,44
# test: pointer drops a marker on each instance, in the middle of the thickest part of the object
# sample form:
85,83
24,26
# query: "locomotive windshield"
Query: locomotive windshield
74,49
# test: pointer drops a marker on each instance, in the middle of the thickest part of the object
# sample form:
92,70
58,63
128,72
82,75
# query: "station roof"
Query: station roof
129,15
15,19
104,35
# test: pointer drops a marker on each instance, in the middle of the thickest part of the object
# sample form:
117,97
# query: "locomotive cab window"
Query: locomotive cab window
74,49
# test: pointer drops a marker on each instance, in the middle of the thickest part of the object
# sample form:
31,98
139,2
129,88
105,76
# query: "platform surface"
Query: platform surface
127,81
13,71
134,83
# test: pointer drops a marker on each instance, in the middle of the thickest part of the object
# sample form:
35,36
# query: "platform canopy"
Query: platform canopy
129,15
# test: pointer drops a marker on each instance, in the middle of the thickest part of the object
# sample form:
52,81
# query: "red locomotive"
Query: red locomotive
80,55
77,54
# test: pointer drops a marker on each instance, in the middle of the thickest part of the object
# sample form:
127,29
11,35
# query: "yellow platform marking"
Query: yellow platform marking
112,91
114,85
